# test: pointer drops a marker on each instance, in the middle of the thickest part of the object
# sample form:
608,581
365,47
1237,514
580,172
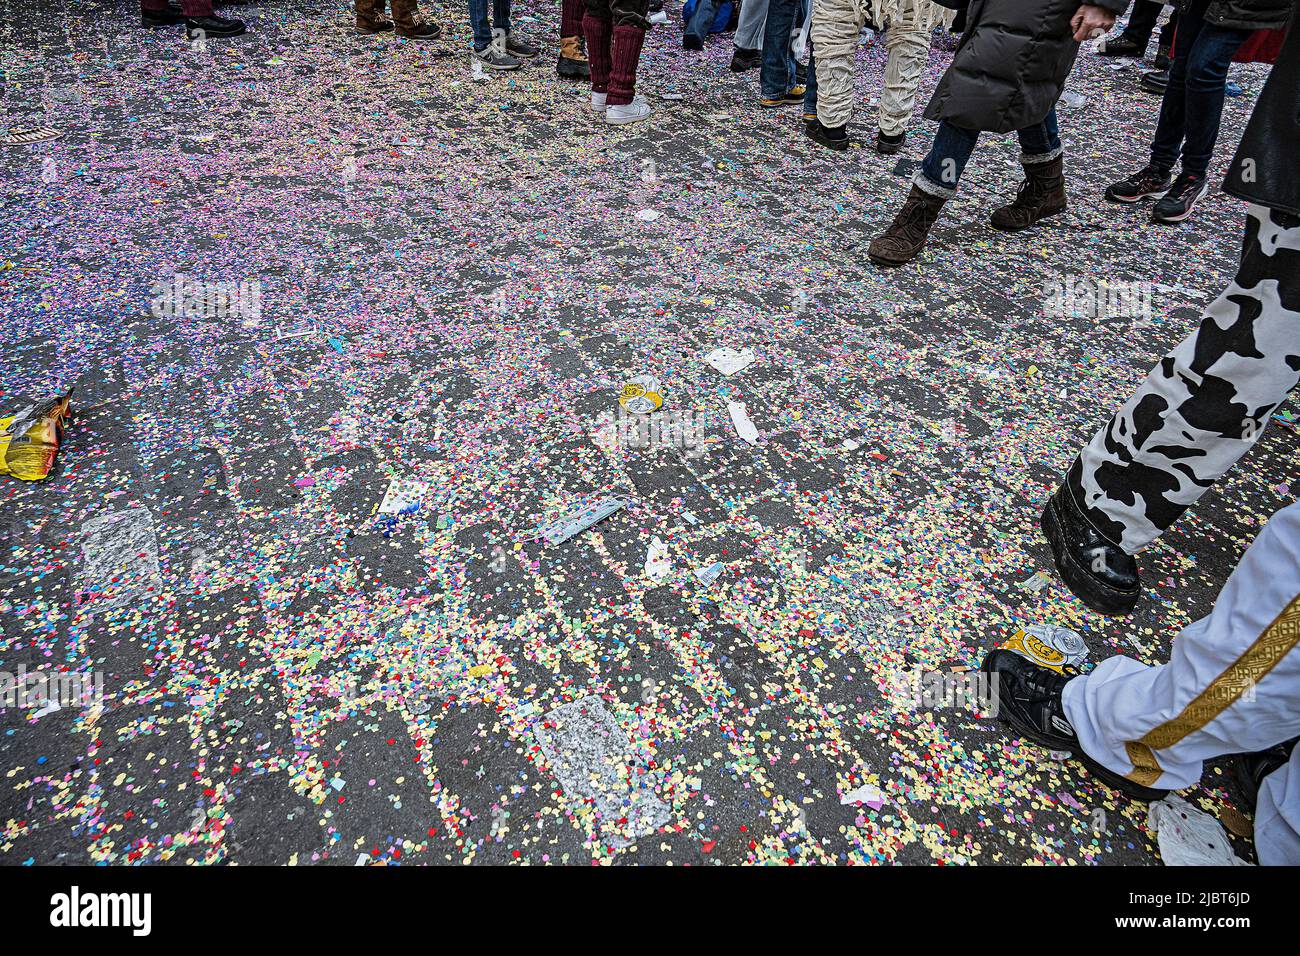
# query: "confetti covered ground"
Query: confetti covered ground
296,535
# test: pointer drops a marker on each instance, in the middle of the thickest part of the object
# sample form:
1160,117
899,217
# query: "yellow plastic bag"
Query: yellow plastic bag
30,439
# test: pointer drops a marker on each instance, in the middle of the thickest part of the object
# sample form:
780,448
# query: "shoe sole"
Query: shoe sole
1112,601
1028,225
889,150
1181,217
889,263
627,122
1130,200
838,147
500,69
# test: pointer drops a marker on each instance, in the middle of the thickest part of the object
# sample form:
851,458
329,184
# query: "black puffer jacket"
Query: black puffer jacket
1266,167
1011,64
1242,14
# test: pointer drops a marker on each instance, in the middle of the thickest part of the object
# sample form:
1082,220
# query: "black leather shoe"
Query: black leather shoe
1100,574
208,27
154,19
1029,702
1251,769
743,59
889,145
831,138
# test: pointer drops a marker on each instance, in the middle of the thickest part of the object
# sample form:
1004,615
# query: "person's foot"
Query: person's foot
1156,81
836,137
154,19
421,31
1164,57
1041,194
1122,45
1148,181
573,62
212,27
598,102
1029,701
906,235
791,97
1098,573
633,112
1252,768
1177,204
494,57
370,29
889,145
691,42
744,59
515,45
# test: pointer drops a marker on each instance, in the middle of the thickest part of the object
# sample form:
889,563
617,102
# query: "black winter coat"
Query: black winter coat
1011,64
1243,14
1266,167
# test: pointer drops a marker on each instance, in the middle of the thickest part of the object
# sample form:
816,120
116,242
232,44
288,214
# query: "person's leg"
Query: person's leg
598,28
370,13
1277,816
1206,77
478,21
1205,403
1231,684
942,167
908,44
835,29
810,91
197,8
501,15
1142,22
749,31
1171,127
697,30
630,25
777,75
572,60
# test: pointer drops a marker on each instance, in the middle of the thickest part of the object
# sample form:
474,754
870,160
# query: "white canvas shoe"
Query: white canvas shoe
598,102
632,112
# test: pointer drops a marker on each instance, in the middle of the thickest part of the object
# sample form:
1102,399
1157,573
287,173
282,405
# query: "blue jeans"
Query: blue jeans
777,75
1193,103
478,19
702,19
953,146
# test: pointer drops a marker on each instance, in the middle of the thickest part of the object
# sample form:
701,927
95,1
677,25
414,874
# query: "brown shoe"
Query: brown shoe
369,28
906,234
573,60
1042,194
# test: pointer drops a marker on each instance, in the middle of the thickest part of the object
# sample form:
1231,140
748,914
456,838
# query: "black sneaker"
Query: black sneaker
1098,573
210,27
889,145
154,19
1155,82
1029,701
1164,57
744,59
1121,45
691,42
1148,181
830,137
1177,204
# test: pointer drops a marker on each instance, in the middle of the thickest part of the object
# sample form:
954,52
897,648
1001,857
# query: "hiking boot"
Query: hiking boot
889,145
791,97
1042,194
1177,204
836,137
1029,701
516,46
421,31
1155,82
1121,45
1097,572
212,27
1148,181
573,59
906,234
744,59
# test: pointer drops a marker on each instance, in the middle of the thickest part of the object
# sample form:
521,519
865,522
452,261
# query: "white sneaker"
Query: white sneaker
598,102
633,112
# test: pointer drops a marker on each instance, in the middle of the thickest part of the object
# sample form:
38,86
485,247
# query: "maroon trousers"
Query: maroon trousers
190,8
615,31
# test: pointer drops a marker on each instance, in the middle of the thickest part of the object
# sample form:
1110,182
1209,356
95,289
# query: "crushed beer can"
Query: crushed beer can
1055,648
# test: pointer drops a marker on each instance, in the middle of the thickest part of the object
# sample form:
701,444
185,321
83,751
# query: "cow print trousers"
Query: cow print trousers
1206,402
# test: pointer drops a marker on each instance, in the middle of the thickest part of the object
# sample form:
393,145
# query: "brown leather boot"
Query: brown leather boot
573,61
1042,194
906,234
371,19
